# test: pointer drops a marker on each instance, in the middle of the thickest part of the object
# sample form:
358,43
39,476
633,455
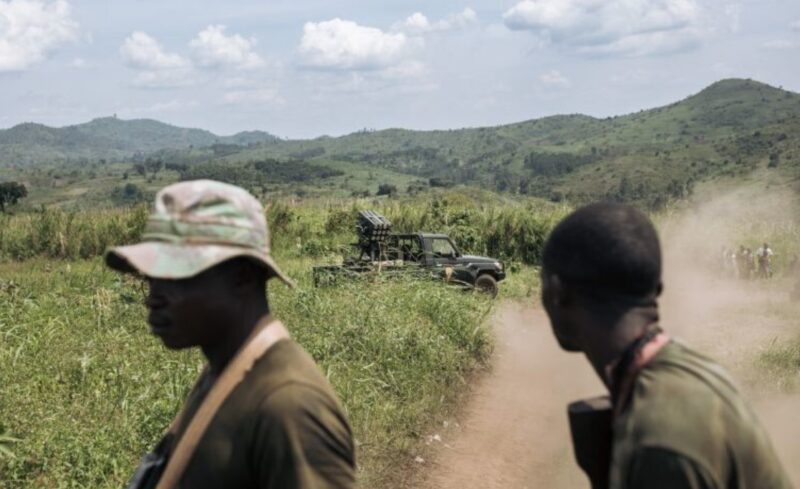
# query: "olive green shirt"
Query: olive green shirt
281,427
686,426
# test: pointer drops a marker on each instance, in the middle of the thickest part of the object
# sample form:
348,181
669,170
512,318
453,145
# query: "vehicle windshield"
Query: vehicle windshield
442,247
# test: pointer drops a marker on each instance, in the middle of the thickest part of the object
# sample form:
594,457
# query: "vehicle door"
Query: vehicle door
443,253
409,249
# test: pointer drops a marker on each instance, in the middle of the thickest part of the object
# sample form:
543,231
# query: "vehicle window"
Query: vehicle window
407,249
442,247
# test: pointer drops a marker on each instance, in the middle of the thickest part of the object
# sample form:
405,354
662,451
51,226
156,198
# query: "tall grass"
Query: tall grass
505,230
780,363
56,233
85,390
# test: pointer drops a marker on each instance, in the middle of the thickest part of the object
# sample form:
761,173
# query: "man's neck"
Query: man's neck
236,333
614,335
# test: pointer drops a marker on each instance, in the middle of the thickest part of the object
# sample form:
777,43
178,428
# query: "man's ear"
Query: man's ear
558,290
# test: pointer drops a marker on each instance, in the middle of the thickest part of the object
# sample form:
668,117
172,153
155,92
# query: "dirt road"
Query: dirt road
514,431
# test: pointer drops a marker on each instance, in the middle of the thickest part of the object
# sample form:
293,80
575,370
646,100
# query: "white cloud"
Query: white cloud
79,63
258,96
795,26
143,52
344,45
32,29
164,78
158,68
417,23
780,44
212,48
611,27
554,78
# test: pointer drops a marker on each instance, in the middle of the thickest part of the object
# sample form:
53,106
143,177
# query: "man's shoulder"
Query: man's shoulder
288,368
677,395
685,403
284,407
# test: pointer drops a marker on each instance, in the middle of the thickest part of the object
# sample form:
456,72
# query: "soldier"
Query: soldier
676,420
750,264
261,414
764,255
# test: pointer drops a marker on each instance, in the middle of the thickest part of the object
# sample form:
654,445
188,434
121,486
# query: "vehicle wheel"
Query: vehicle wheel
486,284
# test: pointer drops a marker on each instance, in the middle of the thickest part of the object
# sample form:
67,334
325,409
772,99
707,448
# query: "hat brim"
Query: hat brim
172,261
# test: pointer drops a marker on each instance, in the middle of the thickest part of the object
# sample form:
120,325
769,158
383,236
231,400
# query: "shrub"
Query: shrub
386,189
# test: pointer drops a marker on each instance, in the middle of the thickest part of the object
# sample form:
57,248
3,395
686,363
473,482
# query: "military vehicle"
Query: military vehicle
380,251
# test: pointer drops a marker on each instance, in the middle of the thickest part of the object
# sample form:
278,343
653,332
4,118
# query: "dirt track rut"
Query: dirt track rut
514,431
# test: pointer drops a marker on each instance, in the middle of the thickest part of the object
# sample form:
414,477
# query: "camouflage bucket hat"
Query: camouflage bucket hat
196,225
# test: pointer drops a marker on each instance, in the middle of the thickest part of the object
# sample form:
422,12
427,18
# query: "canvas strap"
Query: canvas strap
268,333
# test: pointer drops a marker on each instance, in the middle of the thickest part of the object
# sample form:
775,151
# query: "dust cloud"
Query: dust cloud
704,301
513,431
732,319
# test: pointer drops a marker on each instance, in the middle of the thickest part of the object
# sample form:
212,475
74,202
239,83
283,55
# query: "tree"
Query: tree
11,193
386,189
128,194
440,182
177,167
154,165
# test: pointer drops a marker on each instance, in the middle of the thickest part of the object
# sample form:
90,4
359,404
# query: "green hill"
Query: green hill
107,138
732,130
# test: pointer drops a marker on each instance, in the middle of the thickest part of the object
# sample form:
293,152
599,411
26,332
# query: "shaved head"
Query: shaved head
606,247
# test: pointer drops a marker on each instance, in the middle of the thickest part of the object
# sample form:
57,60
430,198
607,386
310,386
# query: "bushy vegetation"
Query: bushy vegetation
256,173
513,231
780,362
68,234
85,390
555,164
11,193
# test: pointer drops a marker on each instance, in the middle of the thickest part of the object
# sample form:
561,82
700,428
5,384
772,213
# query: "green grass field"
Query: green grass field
97,390
85,390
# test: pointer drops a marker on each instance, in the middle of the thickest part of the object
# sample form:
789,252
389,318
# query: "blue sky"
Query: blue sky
306,68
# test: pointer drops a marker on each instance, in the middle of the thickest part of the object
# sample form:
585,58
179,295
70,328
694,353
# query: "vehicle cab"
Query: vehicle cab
438,251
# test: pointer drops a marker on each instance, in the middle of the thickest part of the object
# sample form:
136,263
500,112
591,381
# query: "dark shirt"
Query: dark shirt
686,426
281,427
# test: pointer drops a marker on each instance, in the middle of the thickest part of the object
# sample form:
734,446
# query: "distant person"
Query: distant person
261,415
764,255
733,264
741,262
675,418
750,264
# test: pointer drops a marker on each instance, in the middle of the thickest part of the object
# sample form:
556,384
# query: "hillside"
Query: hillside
107,138
732,130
